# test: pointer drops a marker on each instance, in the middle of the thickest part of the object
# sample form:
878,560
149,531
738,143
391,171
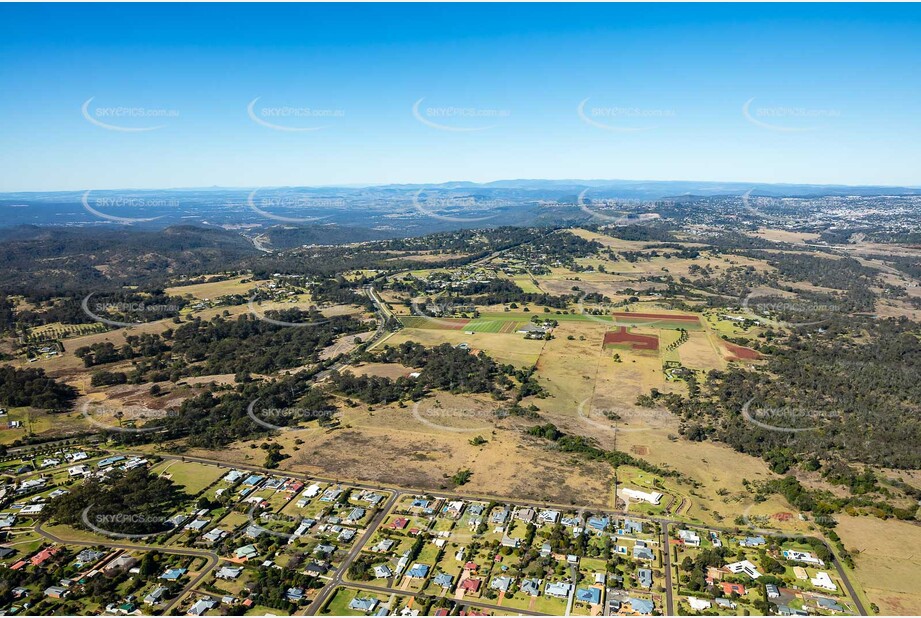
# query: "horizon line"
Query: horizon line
753,185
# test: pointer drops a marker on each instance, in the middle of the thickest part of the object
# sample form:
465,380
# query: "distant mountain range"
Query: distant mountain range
381,210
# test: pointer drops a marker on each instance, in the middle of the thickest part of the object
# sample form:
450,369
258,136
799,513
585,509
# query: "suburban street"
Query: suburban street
667,562
398,492
212,558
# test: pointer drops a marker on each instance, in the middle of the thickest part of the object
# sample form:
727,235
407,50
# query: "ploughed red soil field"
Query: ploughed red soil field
741,352
637,342
659,320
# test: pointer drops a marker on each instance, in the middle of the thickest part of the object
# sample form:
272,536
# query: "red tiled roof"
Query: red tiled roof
729,588
43,555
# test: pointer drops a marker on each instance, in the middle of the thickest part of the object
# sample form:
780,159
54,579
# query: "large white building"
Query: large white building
698,604
746,567
822,580
641,496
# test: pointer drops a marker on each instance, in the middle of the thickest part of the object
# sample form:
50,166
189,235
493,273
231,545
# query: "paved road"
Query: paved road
211,558
317,603
664,522
850,589
474,603
40,446
667,558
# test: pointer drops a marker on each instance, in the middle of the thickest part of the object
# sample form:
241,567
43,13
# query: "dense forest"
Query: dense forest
31,387
443,367
131,502
216,419
852,389
253,345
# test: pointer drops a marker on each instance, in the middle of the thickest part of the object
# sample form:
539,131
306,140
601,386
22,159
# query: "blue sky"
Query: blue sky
832,94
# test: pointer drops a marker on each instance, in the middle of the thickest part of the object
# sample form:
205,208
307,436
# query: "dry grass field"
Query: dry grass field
701,352
585,383
503,348
400,447
214,289
384,370
794,238
888,563
69,367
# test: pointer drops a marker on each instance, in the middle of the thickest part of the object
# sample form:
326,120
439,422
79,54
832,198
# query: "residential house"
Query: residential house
233,476
729,588
384,545
56,592
699,604
88,556
531,587
823,580
121,562
323,549
548,517
355,515
598,524
644,577
631,527
802,556
156,596
228,573
830,605
82,470
316,569
201,606
690,538
295,595
559,590
752,541
363,605
247,552
499,516
44,555
172,575
589,595
471,584
526,515
746,567
641,552
454,509
331,495
214,535
636,495
508,541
